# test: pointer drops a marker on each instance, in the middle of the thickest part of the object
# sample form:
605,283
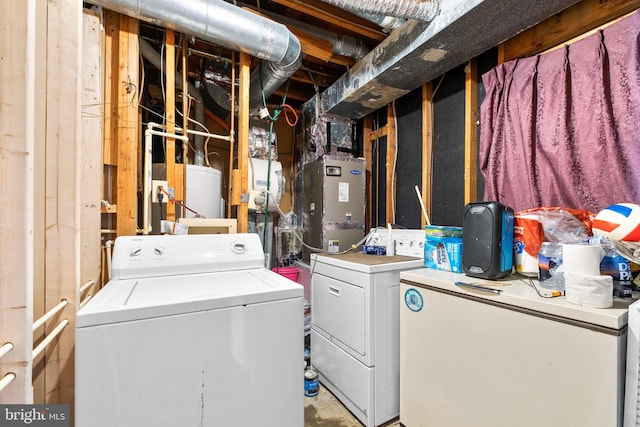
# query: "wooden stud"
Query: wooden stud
111,74
127,127
501,53
471,132
63,182
186,102
39,243
367,150
379,133
90,151
170,114
17,68
427,148
391,165
243,140
235,188
232,120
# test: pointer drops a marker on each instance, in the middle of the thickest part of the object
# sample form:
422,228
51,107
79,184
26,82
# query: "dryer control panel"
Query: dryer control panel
408,242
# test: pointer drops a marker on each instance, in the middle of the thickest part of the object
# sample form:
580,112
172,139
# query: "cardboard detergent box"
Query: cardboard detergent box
443,253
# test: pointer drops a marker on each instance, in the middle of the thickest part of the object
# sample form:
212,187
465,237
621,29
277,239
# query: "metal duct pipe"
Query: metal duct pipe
424,10
388,23
227,25
152,55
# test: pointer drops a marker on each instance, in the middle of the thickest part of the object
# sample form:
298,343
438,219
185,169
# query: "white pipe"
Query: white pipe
424,211
147,181
6,348
49,314
146,205
6,380
84,301
210,135
167,135
87,285
45,342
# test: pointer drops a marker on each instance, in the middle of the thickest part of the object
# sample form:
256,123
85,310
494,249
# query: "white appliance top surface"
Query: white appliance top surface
518,293
365,263
136,299
408,242
169,255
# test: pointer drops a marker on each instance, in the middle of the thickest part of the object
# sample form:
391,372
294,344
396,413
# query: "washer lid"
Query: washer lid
136,299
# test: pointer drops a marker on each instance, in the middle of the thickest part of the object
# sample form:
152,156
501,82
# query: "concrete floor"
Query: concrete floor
324,410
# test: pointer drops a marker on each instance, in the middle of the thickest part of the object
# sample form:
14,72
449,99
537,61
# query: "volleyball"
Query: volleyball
619,222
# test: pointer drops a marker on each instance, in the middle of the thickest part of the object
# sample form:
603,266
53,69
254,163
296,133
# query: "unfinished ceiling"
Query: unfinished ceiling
357,65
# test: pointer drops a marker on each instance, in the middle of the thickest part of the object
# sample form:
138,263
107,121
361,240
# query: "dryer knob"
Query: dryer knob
159,250
135,251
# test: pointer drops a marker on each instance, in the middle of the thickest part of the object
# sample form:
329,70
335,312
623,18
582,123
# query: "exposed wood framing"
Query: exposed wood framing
379,133
471,132
243,141
336,16
312,45
427,148
17,68
126,118
111,28
367,149
574,21
391,165
111,23
170,114
39,303
63,183
91,151
232,142
185,124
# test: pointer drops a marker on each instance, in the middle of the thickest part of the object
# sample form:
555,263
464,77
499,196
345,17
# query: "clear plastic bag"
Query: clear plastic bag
546,224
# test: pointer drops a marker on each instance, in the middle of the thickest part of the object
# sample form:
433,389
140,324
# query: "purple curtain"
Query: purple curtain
563,128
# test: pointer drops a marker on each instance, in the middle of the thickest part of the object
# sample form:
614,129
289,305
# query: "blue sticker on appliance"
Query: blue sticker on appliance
355,172
413,299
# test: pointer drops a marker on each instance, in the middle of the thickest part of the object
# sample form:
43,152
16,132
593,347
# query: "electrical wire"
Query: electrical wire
142,77
286,116
533,285
395,163
177,202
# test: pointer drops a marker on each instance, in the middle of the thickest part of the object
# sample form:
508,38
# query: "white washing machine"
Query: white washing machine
355,326
192,330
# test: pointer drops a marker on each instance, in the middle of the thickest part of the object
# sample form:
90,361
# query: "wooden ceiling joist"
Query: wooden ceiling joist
576,20
315,46
303,76
336,16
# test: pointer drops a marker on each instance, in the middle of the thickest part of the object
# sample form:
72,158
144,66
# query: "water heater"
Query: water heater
204,189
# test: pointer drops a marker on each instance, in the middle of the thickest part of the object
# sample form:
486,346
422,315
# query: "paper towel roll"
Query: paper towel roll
582,259
589,291
526,264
